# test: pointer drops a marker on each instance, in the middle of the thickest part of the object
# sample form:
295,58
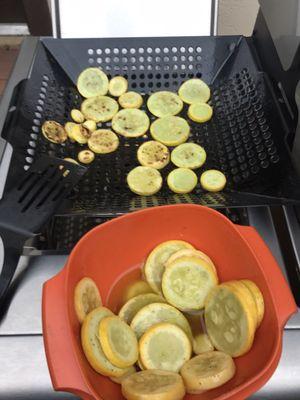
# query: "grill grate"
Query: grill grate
245,139
63,233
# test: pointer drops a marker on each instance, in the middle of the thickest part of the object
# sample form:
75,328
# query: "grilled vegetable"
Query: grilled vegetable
90,125
71,160
213,180
170,131
194,91
207,371
86,156
153,154
165,347
92,82
188,155
86,298
69,129
182,180
79,134
131,123
103,141
130,100
54,132
200,112
117,86
153,385
164,104
144,181
99,108
155,263
77,116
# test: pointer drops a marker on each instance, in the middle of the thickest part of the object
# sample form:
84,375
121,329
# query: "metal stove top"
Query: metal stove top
23,368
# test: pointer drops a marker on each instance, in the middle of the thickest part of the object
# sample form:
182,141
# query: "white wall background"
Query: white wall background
119,18
237,17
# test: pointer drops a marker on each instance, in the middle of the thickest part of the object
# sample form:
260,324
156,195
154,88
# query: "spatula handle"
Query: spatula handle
10,263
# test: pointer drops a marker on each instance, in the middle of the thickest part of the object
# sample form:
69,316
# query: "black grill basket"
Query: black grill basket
246,137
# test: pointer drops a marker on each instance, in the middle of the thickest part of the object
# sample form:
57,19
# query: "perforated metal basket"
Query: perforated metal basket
245,139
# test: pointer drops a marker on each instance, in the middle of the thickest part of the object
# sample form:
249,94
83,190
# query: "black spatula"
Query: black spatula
26,208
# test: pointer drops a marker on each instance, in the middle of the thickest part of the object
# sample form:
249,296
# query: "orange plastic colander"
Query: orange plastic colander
110,250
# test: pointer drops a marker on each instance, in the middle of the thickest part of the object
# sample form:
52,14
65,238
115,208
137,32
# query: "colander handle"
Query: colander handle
283,298
61,358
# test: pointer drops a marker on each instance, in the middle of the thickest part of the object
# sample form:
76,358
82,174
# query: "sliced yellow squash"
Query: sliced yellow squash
86,298
207,371
99,108
69,129
136,288
182,180
170,131
131,122
144,181
130,100
188,155
135,304
118,342
153,154
164,346
103,141
153,385
230,322
77,116
79,133
140,365
92,82
164,104
213,180
90,125
194,91
86,156
200,112
91,344
54,132
258,298
201,342
118,379
155,313
191,253
71,160
117,86
249,300
155,263
187,281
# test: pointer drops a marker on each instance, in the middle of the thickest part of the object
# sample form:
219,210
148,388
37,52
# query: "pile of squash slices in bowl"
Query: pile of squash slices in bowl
178,329
109,111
